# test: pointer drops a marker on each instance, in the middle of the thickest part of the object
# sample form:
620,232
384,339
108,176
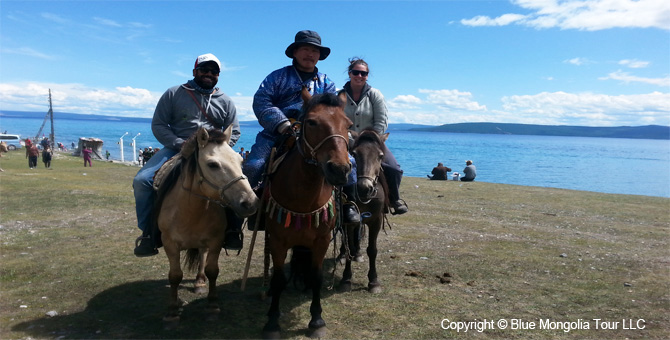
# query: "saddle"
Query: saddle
165,170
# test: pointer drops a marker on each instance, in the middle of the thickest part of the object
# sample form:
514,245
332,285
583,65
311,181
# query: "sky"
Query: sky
551,62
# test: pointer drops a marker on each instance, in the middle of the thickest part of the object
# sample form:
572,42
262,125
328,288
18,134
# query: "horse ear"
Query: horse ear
305,95
385,137
202,137
343,98
228,134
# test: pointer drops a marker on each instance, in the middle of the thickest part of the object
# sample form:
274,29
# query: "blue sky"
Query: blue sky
587,62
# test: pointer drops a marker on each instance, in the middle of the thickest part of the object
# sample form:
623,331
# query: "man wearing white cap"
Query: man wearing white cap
180,112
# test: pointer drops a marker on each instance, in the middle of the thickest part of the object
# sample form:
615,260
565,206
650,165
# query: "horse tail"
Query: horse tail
192,259
301,267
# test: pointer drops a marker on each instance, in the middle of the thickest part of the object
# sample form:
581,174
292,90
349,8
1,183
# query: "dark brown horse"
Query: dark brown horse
191,212
372,202
300,210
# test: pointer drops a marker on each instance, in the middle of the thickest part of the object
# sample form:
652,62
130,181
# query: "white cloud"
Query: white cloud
502,20
77,98
588,15
404,102
54,17
590,109
27,51
627,78
452,100
107,22
577,61
634,63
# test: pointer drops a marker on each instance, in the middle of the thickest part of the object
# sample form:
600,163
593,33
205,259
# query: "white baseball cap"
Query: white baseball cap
205,58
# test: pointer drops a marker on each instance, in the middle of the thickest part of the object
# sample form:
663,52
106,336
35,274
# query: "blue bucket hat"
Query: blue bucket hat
310,38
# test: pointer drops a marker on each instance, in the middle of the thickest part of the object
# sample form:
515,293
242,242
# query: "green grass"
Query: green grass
67,238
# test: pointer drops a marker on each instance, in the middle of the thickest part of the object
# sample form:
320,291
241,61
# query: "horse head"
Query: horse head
220,171
324,142
368,150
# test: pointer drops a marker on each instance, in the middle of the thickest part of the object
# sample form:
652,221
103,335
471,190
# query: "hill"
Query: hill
638,132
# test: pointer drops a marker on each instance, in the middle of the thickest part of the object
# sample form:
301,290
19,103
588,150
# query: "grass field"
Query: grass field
546,263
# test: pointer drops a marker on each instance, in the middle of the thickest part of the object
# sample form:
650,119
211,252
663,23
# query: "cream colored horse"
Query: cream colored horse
191,214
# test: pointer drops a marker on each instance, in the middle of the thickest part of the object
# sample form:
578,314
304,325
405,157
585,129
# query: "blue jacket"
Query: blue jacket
278,97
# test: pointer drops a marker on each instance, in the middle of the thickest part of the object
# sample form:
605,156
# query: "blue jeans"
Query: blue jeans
254,165
143,186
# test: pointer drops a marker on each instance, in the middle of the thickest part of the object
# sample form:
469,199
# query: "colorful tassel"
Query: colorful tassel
279,213
316,219
288,220
309,221
298,222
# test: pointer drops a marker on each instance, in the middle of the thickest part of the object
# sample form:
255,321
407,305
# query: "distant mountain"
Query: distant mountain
637,132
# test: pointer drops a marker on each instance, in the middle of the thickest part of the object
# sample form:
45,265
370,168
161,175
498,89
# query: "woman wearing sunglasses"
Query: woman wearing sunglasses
367,110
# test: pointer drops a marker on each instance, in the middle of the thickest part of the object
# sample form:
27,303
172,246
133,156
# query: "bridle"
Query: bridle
220,189
313,149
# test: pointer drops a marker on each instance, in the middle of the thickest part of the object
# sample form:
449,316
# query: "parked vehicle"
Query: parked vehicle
13,141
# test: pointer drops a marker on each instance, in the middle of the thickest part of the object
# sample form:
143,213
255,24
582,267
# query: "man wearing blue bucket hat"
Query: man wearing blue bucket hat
278,100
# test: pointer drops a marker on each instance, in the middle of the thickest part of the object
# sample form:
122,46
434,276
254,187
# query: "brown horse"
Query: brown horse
191,210
372,202
300,210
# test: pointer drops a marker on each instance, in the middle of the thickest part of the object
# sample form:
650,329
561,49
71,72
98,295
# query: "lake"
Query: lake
608,165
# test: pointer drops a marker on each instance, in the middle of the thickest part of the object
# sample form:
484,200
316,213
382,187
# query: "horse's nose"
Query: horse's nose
336,173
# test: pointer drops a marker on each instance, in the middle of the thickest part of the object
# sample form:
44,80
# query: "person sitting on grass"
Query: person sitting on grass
439,172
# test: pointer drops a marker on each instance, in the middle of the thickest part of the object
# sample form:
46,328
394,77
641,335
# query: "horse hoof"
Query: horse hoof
359,258
375,289
200,289
317,333
342,260
345,287
271,335
170,322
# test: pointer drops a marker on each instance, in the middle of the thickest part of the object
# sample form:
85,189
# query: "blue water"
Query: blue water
609,165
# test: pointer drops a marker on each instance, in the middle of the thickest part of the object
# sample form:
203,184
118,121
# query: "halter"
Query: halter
223,202
374,187
312,150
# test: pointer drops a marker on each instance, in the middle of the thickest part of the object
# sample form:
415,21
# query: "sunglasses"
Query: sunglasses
359,73
205,70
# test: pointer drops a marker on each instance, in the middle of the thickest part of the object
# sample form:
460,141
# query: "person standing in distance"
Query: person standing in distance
180,112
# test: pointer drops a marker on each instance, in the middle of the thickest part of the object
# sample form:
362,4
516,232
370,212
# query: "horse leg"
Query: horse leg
174,277
345,283
317,326
373,284
272,330
200,278
212,272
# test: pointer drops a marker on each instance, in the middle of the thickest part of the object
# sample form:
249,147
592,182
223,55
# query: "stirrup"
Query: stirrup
400,203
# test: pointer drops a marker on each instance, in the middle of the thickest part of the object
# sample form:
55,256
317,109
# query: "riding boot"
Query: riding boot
349,212
145,245
393,178
234,235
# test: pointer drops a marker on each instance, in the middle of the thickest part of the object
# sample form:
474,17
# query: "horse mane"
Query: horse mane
368,135
327,99
186,159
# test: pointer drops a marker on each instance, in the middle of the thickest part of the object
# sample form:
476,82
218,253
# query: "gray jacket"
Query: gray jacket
177,116
369,112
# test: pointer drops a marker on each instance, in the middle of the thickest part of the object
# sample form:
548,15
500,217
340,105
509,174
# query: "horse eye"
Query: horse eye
381,155
213,165
311,122
354,153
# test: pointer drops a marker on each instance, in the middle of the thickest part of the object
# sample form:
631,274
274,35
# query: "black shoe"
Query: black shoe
399,207
350,214
144,247
233,240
